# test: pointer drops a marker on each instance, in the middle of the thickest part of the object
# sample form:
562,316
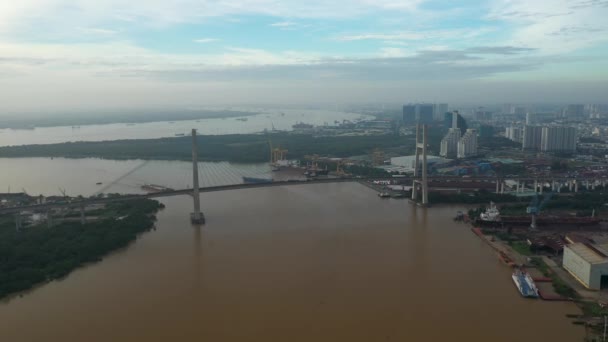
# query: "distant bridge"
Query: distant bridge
197,217
169,193
399,180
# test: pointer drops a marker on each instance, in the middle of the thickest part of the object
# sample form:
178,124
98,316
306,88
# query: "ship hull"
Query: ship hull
540,221
255,180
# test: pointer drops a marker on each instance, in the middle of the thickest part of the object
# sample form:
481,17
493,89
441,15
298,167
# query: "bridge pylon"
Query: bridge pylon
197,216
421,180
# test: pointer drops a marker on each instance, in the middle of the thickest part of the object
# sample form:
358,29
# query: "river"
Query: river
329,262
267,119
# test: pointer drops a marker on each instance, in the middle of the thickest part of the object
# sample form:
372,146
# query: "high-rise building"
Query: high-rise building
439,111
448,119
467,146
519,110
449,143
422,113
558,139
531,137
482,115
425,113
409,114
574,111
514,134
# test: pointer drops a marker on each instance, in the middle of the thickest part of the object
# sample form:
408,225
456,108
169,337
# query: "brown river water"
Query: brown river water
329,262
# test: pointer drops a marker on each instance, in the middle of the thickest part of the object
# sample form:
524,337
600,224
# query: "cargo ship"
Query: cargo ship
256,180
525,284
491,218
301,125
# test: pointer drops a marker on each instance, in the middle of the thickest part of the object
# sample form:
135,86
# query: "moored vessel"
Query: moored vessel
525,284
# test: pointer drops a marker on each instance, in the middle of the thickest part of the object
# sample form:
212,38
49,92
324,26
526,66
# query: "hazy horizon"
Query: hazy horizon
60,55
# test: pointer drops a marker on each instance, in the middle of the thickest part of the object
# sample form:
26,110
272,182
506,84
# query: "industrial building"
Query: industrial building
558,139
406,164
588,263
467,146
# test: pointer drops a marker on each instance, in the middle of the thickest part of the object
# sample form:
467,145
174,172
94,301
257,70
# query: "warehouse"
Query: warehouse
588,263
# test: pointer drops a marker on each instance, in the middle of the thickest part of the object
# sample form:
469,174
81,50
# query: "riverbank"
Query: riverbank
553,282
241,148
39,253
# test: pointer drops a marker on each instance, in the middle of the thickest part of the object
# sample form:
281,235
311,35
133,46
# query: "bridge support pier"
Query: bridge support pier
575,186
49,219
497,186
83,218
542,187
502,188
18,223
536,185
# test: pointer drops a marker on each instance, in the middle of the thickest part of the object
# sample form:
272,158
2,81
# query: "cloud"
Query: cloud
393,64
418,35
98,31
206,40
15,15
499,50
283,24
552,26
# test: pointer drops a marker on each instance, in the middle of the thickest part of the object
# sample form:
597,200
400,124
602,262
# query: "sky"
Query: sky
103,54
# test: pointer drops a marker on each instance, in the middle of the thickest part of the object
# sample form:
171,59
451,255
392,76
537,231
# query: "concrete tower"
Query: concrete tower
196,217
421,180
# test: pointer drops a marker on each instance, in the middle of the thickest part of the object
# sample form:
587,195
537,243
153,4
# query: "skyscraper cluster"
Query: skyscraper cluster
423,113
549,138
456,145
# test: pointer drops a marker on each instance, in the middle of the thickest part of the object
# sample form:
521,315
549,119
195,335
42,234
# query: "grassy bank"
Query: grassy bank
559,285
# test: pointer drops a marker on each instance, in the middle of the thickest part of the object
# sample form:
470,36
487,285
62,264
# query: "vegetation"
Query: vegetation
236,147
559,285
37,254
521,247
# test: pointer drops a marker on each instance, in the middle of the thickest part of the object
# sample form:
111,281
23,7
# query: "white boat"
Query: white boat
491,214
525,284
384,195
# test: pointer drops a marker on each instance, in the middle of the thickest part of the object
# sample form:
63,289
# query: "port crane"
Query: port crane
277,155
535,207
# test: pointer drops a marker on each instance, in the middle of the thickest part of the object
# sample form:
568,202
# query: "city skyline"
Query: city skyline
59,54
